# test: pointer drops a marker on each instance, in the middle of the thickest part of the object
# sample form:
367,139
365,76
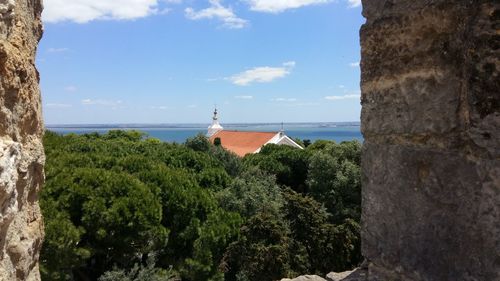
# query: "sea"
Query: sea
335,131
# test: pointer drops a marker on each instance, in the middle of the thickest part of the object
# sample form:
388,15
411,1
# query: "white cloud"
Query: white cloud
354,3
163,11
212,79
101,102
82,11
344,97
57,105
354,64
217,11
303,104
243,97
161,107
263,74
70,89
284,100
278,6
57,50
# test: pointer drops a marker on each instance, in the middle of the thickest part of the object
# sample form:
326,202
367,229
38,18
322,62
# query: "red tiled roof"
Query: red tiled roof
241,142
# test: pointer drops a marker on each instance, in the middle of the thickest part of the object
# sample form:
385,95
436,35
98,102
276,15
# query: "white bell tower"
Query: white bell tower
215,127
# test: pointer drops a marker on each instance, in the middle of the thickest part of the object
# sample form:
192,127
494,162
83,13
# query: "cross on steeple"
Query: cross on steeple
215,113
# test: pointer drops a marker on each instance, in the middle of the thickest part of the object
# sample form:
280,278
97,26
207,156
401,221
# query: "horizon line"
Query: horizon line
198,123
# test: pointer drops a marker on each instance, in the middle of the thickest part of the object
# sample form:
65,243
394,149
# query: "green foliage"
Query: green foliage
113,200
252,192
288,164
263,251
299,142
328,247
217,232
62,239
230,161
198,143
140,272
214,178
318,239
131,135
306,143
300,240
347,150
106,210
335,179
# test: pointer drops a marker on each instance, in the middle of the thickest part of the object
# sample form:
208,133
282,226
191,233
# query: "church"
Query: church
242,142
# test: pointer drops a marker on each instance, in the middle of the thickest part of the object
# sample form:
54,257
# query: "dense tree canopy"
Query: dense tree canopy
112,202
288,164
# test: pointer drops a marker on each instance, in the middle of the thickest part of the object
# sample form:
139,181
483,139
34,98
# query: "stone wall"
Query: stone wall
431,122
21,150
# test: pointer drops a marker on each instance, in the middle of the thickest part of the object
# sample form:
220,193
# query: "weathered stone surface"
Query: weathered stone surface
21,150
305,278
434,223
431,122
359,274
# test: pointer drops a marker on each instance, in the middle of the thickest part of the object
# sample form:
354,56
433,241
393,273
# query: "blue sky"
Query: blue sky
170,61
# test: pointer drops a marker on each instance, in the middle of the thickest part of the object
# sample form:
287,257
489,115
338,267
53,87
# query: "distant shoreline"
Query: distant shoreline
196,125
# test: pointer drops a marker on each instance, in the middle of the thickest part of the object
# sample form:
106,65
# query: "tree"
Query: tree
328,247
111,200
199,143
214,178
262,253
335,180
217,142
140,272
306,143
115,218
288,164
62,240
230,161
132,135
252,192
215,234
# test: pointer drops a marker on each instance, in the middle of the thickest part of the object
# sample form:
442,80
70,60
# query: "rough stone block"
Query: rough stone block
431,122
21,150
429,215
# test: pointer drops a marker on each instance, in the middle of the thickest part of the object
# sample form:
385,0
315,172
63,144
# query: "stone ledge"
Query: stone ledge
358,274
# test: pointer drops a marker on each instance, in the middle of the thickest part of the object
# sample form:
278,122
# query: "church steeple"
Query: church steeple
215,118
215,127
